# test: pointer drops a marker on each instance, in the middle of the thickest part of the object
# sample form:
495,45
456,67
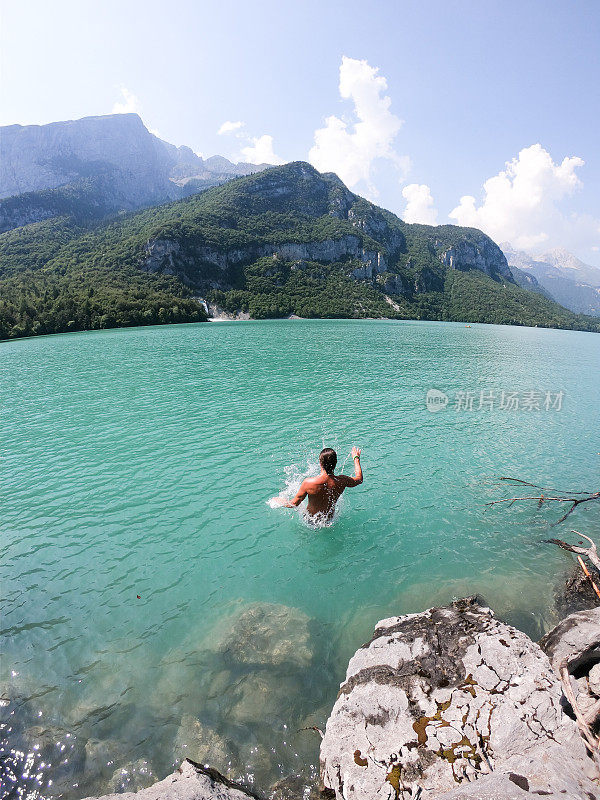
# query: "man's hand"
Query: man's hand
283,502
358,476
280,502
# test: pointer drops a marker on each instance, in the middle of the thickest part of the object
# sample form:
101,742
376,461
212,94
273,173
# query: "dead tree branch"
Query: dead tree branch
559,496
588,737
590,552
587,575
535,486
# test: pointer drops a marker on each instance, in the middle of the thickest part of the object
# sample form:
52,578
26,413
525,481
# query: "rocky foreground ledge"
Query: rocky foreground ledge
449,703
453,703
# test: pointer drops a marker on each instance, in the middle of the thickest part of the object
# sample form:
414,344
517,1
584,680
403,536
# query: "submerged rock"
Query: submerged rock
257,636
239,689
102,753
438,700
198,742
295,787
265,696
264,633
132,777
190,782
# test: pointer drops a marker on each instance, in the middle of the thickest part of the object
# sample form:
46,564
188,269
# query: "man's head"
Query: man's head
328,460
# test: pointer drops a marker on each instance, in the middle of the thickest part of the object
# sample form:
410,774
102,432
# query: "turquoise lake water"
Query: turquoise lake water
139,463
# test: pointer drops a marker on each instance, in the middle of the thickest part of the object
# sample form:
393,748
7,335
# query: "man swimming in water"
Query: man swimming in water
325,489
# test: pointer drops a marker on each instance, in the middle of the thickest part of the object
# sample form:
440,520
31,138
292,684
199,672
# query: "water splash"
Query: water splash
294,475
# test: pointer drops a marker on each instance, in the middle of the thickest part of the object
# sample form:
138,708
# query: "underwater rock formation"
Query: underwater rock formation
132,777
244,689
456,703
190,782
264,633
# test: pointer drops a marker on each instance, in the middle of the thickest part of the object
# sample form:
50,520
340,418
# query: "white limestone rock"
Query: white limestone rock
594,679
483,254
575,641
438,700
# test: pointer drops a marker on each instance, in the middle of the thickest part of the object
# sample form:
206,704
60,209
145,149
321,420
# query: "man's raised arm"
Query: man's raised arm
358,476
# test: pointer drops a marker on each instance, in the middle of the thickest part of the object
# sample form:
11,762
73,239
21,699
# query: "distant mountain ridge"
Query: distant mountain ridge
109,163
563,276
571,266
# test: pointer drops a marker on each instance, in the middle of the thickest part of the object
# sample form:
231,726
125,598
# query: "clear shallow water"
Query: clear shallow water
140,462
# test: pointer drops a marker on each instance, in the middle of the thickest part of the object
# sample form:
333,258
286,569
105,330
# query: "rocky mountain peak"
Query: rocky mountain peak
136,167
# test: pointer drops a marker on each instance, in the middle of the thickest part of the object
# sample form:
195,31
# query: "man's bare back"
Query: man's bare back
324,490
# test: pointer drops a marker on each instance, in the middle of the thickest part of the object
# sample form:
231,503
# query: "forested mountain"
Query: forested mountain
282,241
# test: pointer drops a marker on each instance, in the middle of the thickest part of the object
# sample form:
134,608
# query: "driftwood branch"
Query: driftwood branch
588,737
535,486
590,552
588,576
574,499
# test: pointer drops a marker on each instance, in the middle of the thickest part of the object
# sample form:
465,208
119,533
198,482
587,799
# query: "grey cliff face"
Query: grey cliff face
35,157
163,255
376,226
138,168
456,703
480,254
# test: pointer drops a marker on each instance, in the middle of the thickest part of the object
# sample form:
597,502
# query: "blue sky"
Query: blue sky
445,94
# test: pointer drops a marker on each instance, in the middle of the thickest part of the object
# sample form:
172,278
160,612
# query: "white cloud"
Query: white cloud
231,127
260,151
129,103
419,204
350,147
521,204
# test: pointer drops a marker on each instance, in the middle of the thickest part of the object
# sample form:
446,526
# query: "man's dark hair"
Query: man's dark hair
328,459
